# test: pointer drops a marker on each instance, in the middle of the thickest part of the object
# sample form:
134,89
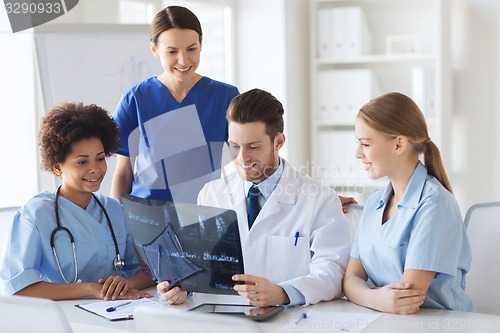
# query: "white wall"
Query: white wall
18,149
476,102
260,49
297,81
272,48
260,46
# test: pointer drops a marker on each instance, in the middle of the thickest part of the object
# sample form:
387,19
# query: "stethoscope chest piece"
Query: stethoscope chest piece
118,262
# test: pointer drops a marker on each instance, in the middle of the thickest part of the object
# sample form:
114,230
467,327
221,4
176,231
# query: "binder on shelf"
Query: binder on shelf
338,33
343,33
358,39
342,93
325,27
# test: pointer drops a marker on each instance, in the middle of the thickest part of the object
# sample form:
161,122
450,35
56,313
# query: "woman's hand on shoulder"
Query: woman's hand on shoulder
345,201
173,296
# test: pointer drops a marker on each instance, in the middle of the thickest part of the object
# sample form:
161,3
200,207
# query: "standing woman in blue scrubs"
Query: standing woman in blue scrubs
411,242
172,126
73,243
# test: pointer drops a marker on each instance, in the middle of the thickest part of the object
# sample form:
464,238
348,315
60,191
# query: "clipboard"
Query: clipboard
121,313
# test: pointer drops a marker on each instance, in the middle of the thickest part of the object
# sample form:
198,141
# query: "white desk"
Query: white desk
82,321
425,320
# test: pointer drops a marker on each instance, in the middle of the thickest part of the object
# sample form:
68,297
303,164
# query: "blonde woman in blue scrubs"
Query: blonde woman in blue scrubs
411,242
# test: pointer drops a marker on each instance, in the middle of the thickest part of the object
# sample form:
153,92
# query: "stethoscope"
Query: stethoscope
117,262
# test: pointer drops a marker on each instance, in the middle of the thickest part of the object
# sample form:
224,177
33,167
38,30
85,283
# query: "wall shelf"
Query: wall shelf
364,48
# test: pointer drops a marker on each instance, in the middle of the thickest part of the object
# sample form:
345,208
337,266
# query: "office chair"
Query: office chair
152,320
353,216
6,217
20,314
482,281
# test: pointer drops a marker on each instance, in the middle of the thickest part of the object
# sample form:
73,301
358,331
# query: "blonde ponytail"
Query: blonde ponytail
434,164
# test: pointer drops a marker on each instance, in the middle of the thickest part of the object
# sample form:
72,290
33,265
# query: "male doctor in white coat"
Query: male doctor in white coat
296,250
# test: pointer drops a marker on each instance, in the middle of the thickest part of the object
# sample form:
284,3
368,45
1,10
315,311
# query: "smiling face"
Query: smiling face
83,169
254,154
376,151
179,53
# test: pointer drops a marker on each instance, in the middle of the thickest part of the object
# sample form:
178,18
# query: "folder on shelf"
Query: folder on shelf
343,32
358,40
325,28
337,34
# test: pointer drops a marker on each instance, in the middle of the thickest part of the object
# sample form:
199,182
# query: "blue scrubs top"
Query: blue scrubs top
28,254
175,147
427,233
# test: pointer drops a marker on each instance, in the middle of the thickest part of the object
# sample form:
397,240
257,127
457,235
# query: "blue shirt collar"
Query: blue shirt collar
267,186
413,191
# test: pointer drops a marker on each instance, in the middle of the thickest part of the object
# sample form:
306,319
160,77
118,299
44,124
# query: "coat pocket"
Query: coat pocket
287,257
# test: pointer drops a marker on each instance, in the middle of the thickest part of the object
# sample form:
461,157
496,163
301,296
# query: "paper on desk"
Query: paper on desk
121,313
332,322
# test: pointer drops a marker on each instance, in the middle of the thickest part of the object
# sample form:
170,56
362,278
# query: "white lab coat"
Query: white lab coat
315,262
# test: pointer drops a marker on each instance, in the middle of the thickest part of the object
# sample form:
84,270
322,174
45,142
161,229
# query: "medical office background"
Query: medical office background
267,44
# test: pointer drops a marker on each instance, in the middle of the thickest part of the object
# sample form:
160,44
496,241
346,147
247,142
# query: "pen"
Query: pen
302,316
113,308
296,238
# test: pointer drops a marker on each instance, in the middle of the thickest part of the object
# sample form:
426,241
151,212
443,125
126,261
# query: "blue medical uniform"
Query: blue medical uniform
28,253
427,233
175,147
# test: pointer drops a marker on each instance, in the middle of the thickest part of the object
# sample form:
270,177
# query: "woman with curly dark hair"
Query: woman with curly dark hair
73,243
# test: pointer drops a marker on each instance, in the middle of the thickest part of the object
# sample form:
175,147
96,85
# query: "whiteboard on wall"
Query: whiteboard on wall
93,63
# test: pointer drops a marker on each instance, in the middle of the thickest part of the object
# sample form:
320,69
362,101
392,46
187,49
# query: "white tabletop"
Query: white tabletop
425,320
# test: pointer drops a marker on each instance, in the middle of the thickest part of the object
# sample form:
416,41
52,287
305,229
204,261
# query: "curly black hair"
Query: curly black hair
68,123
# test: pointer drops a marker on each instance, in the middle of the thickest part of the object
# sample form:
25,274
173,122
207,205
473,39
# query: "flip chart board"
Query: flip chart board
93,63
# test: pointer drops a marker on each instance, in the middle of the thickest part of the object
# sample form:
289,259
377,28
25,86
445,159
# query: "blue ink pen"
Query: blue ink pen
302,316
113,308
296,238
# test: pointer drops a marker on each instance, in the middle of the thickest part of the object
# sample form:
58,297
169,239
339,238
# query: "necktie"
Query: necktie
253,204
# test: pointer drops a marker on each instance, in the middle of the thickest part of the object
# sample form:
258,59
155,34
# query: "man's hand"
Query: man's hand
260,291
172,296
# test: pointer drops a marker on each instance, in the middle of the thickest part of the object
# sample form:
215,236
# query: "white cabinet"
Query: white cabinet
364,48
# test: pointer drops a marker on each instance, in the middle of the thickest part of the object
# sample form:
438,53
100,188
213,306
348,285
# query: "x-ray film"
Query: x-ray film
192,246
